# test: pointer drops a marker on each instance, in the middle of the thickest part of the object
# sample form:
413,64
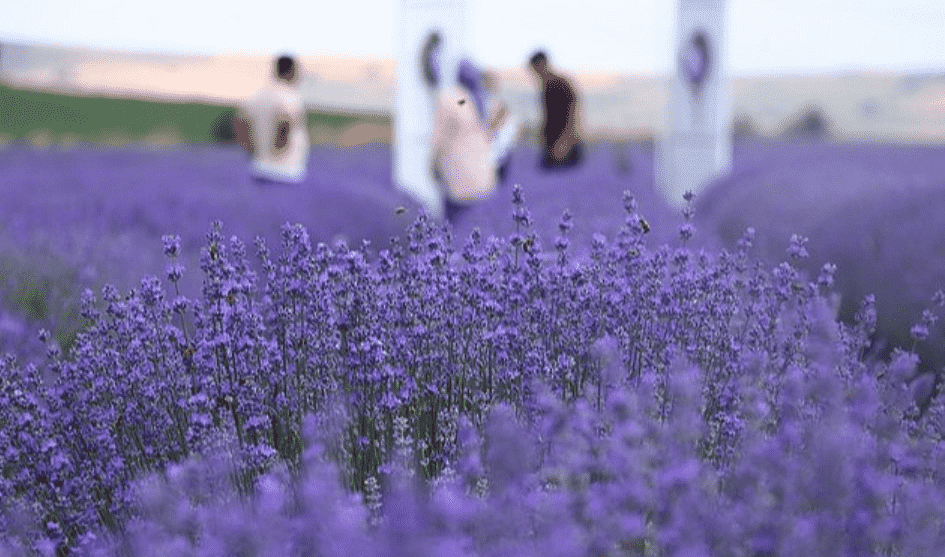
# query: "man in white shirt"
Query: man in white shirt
272,127
461,157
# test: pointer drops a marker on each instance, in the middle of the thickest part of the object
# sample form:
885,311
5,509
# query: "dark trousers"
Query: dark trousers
263,181
454,210
501,172
573,158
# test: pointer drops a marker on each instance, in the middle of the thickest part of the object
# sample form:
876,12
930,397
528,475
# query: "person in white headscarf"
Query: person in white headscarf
273,128
502,125
460,155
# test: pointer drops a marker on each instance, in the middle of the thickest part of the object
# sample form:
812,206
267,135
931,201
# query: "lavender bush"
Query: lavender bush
496,399
873,211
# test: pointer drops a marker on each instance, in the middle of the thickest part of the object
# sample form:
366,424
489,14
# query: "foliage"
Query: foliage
89,118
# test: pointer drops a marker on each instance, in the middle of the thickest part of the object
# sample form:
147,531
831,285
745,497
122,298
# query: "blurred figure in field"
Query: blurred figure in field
460,154
273,128
560,137
501,125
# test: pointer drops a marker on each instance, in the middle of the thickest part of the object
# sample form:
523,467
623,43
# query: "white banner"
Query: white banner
415,97
697,147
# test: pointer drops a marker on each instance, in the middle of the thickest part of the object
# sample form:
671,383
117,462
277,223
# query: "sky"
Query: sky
627,36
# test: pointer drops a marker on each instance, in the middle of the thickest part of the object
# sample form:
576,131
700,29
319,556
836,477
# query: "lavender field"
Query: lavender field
80,217
573,370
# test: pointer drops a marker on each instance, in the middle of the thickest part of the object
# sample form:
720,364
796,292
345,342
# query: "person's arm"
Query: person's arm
290,115
572,128
566,140
283,128
499,116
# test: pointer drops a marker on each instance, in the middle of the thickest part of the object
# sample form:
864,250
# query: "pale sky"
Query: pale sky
632,36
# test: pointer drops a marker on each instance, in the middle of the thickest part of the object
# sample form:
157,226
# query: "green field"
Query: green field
97,119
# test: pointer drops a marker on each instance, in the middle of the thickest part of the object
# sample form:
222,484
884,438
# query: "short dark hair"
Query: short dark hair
284,65
538,57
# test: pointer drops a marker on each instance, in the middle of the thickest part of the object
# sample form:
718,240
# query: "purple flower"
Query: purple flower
939,298
797,250
825,278
919,332
171,245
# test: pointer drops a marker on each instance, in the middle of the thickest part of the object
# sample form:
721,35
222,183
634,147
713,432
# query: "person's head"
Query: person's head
286,69
539,63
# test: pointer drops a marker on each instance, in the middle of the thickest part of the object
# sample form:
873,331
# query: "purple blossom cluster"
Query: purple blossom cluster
494,398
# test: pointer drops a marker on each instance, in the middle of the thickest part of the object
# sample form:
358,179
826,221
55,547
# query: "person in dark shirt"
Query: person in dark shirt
561,142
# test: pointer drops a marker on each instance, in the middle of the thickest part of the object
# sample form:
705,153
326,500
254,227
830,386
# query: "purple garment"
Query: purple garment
470,77
433,65
695,60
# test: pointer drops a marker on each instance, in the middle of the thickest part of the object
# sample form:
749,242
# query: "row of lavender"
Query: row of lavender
638,402
872,210
78,218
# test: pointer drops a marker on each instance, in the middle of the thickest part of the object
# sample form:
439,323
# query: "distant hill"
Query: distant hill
49,118
885,107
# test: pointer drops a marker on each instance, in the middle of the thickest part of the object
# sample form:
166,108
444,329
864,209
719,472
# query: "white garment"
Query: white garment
506,134
460,149
278,101
504,139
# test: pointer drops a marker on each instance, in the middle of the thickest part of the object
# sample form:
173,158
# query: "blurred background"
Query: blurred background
808,78
164,73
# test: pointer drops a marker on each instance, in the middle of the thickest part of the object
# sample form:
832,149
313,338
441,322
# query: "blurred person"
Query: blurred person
460,155
501,125
560,138
273,127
